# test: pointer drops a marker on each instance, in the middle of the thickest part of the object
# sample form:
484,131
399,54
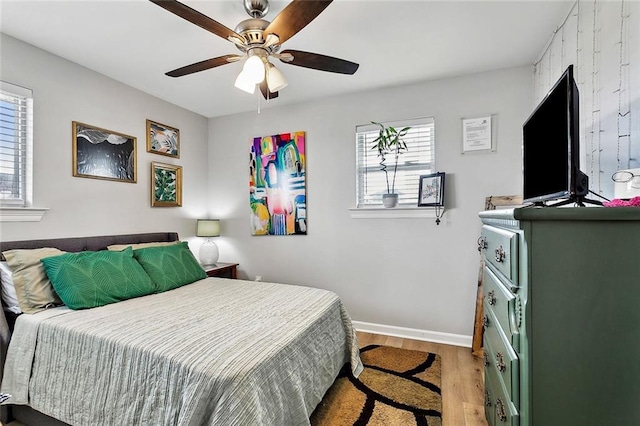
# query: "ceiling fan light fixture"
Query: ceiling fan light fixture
245,83
275,79
254,69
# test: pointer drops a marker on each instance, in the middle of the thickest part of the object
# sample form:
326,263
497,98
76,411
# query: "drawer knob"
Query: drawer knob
491,298
487,398
485,359
500,255
500,411
485,322
502,367
482,243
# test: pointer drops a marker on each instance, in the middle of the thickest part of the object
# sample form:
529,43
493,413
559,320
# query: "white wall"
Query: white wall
64,92
602,40
399,272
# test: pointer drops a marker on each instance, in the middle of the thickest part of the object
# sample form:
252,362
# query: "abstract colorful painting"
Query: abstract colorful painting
277,185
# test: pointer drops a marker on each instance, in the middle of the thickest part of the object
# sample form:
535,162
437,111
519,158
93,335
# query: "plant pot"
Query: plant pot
389,200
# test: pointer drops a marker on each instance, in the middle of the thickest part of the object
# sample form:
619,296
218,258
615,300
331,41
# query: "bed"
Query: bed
214,351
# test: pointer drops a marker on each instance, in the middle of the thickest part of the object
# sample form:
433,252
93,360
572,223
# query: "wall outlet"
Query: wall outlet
258,278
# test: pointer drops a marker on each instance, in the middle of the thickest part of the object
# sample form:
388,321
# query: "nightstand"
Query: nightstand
222,270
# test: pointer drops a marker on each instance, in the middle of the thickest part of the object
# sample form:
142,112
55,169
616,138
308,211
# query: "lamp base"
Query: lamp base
208,253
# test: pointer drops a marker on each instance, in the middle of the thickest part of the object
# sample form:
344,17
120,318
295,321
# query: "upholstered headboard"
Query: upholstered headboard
89,243
75,244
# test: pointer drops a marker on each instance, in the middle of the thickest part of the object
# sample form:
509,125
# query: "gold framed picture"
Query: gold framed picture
163,139
166,185
103,154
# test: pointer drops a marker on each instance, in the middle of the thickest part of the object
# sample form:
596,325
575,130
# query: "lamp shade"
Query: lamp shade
208,228
244,83
275,79
254,69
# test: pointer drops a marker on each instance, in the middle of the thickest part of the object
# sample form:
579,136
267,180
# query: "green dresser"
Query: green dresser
562,316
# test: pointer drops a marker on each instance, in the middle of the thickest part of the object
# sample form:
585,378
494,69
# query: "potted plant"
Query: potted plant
389,142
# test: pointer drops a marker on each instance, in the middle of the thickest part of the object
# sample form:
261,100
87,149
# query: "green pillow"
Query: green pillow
170,266
95,278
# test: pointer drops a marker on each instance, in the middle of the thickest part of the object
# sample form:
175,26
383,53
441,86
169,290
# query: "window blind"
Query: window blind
417,159
16,106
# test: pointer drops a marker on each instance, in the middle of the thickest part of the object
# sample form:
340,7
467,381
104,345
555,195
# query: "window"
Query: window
417,160
16,124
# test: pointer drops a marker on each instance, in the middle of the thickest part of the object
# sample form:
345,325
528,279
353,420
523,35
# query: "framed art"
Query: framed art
477,134
278,184
103,154
163,139
431,190
166,185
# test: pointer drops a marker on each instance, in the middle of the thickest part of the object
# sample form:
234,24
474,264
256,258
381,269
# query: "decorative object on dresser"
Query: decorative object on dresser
103,154
166,185
222,270
208,253
561,316
626,184
163,139
389,142
277,184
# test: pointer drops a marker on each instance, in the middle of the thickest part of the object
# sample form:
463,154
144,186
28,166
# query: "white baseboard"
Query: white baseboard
413,333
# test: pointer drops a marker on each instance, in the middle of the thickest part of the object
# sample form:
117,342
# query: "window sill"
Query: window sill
392,213
21,214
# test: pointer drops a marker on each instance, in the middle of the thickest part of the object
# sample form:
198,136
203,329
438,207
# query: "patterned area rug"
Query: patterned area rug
397,387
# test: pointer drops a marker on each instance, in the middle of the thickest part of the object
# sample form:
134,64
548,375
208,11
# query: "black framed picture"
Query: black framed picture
431,190
103,154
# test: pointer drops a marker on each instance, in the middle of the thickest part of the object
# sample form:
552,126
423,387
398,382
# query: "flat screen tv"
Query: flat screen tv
551,147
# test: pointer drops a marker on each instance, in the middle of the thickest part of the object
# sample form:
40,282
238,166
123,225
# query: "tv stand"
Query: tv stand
578,200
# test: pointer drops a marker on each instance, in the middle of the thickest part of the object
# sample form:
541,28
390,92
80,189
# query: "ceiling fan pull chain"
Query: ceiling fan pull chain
258,98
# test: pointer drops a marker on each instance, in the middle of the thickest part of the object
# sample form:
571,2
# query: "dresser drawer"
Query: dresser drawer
498,410
501,251
502,303
505,413
490,395
501,361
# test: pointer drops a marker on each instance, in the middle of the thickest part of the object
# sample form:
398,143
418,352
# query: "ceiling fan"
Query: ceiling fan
259,41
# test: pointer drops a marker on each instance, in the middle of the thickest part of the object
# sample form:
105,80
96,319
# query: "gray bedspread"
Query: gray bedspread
215,352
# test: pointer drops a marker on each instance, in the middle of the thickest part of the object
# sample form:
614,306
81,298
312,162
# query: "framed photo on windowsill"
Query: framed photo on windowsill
431,190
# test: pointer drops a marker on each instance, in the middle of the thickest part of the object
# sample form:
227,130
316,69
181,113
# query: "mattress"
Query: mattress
218,351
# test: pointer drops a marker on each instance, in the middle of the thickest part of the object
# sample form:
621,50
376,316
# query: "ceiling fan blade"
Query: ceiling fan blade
265,91
203,65
319,62
295,17
195,17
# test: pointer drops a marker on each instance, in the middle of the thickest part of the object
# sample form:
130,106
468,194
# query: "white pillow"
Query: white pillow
9,297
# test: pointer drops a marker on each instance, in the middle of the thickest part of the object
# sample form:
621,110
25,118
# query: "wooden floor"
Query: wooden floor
462,382
462,385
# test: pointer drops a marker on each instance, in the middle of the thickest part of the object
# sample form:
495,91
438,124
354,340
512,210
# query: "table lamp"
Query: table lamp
209,250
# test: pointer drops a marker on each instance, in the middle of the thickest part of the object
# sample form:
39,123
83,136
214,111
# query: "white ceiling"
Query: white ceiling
395,42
